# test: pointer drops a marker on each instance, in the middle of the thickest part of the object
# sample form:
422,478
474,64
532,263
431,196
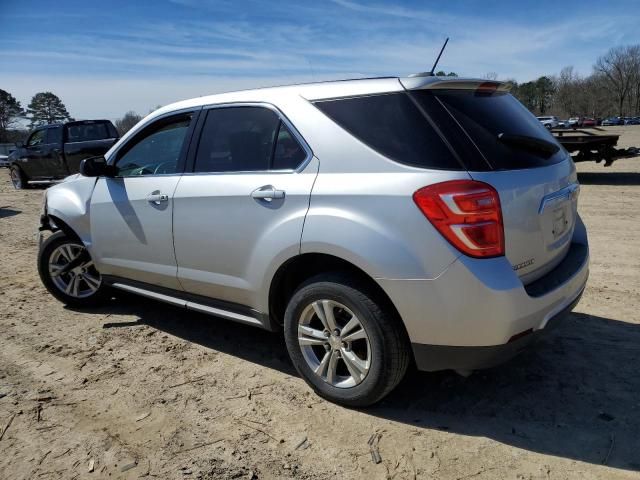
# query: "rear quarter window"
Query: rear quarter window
392,125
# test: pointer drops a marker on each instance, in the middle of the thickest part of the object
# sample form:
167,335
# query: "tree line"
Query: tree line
613,88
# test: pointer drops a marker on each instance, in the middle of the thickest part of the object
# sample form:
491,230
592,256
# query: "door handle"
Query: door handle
268,193
157,198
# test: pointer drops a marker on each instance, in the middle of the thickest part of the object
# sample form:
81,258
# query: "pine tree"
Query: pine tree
45,108
10,109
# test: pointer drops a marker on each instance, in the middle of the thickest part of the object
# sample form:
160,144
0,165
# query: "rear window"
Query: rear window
484,116
392,125
83,132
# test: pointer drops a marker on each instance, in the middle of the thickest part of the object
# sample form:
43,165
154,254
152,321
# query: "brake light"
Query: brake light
467,213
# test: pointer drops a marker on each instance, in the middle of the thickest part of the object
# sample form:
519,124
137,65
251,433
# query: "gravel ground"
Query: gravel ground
139,389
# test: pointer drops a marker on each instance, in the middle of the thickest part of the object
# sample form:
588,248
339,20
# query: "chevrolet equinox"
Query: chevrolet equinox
375,222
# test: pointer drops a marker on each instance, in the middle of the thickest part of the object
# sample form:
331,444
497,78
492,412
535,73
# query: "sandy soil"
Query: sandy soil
141,389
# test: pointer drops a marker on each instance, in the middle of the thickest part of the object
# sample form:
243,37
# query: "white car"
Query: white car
549,122
4,161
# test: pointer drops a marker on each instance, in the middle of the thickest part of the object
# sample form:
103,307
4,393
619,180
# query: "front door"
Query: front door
131,213
32,160
243,206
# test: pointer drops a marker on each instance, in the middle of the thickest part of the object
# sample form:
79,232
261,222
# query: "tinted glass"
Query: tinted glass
84,132
54,135
485,115
392,125
157,152
237,139
288,154
37,138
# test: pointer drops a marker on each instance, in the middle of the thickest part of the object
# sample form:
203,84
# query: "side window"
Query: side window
288,154
54,135
246,139
237,139
37,138
156,150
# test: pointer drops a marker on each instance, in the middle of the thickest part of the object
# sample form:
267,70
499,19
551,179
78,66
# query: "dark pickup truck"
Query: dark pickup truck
54,152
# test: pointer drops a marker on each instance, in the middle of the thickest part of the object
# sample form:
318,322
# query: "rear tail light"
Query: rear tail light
467,213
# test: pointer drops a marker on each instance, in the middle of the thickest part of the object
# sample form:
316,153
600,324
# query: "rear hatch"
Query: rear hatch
501,143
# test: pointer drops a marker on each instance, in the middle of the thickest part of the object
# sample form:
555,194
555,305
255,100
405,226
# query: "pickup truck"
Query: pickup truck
55,151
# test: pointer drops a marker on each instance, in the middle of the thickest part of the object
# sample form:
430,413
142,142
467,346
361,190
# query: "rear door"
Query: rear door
131,213
87,139
243,205
53,162
507,147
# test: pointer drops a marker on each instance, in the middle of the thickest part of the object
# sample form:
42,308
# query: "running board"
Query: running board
42,182
191,305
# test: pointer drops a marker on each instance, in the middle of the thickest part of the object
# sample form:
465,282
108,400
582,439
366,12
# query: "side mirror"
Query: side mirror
19,144
96,167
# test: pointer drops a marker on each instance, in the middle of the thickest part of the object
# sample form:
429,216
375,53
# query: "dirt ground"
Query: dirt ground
142,389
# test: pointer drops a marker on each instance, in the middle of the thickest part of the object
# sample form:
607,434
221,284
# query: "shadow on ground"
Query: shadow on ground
609,178
574,395
8,212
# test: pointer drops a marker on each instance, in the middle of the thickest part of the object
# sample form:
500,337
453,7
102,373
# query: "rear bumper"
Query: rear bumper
478,313
441,357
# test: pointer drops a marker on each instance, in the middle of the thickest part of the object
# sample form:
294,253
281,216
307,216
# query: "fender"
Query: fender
70,202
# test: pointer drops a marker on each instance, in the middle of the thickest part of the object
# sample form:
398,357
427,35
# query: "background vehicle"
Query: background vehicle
588,122
575,122
53,152
549,122
202,205
612,121
4,160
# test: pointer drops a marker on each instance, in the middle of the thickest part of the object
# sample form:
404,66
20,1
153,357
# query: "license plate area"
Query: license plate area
557,216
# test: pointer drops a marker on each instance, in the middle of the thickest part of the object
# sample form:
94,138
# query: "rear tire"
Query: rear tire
81,286
18,178
360,361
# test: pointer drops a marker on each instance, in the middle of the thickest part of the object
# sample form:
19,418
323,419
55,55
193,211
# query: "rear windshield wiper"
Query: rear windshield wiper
532,144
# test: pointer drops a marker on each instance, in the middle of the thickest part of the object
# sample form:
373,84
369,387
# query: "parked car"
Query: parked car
631,121
339,214
549,122
588,122
612,121
53,152
563,124
4,161
575,122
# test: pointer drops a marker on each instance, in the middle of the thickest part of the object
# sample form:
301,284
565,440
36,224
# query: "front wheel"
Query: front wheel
18,178
67,271
344,342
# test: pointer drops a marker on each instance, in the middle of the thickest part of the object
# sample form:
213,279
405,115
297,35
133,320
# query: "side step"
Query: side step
42,182
191,302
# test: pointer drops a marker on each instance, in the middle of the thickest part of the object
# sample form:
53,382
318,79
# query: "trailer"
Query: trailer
584,145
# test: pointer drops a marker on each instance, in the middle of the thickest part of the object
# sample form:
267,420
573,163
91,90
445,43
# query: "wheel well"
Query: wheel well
295,271
61,225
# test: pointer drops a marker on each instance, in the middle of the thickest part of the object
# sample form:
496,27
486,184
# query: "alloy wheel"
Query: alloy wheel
73,272
15,178
334,343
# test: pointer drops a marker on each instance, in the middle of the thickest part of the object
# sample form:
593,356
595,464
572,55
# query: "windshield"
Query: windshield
484,116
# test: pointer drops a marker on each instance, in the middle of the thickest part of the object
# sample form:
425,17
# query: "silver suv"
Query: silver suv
376,222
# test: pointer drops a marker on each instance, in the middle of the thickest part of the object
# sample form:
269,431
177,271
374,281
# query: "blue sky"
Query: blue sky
104,58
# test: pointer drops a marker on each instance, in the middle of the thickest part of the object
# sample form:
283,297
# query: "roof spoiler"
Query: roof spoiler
448,83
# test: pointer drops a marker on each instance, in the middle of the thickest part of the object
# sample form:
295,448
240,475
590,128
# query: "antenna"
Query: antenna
438,59
433,69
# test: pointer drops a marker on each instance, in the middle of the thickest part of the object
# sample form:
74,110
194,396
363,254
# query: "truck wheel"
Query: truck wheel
344,342
18,178
68,272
